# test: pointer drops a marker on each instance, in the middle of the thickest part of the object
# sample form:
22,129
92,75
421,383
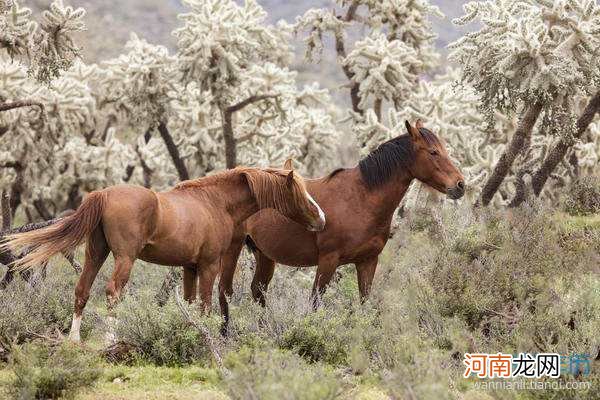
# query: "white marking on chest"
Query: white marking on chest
321,213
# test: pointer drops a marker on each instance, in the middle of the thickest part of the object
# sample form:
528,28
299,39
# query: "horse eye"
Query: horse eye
433,152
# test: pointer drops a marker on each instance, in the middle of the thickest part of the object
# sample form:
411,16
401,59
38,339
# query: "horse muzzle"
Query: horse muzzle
457,191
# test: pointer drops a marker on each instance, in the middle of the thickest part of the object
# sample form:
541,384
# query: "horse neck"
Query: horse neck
235,196
387,197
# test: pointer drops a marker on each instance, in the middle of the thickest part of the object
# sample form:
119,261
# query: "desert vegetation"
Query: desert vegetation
512,267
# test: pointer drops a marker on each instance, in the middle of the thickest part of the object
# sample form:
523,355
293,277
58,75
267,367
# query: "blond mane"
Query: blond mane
268,186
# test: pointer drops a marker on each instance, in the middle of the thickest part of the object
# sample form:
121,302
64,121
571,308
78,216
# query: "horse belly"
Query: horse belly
281,239
172,254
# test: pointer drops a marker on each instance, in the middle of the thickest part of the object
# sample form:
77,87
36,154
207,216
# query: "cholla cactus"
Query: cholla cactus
50,159
532,55
405,20
140,84
48,46
239,67
383,69
232,38
386,64
97,125
532,51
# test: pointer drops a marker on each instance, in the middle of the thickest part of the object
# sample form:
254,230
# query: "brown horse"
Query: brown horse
359,203
190,226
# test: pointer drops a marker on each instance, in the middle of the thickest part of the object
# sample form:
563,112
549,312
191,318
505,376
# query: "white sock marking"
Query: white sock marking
111,336
74,334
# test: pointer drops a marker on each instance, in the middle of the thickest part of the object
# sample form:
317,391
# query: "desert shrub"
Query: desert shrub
487,281
162,335
43,372
287,300
45,306
276,374
583,198
325,335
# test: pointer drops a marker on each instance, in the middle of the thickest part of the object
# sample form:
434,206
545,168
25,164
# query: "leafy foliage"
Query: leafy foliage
51,373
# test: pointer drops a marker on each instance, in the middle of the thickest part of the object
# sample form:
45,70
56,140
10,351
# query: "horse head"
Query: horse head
432,164
287,194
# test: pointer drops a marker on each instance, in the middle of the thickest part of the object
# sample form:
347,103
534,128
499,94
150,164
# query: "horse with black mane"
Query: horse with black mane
359,203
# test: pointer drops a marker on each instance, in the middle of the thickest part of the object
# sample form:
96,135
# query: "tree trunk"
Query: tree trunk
558,152
230,143
377,108
6,211
518,144
42,210
146,170
173,152
227,120
340,48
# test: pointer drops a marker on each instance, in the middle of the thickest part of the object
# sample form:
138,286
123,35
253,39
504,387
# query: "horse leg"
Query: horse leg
327,266
207,275
96,252
228,266
190,288
118,280
365,271
114,288
265,267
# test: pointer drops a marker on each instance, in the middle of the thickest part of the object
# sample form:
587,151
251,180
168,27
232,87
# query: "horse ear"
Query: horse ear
412,131
288,164
419,124
290,178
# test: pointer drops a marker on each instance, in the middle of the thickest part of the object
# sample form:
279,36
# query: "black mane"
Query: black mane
383,162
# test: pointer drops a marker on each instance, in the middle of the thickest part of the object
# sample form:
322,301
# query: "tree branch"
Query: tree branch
19,104
11,164
340,48
227,118
558,152
252,99
377,108
204,332
173,152
6,211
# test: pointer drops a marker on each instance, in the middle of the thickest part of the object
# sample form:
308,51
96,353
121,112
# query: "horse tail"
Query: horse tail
250,244
63,236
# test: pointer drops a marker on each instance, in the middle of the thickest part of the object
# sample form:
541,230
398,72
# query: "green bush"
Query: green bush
43,372
464,280
275,374
584,196
43,307
161,335
320,336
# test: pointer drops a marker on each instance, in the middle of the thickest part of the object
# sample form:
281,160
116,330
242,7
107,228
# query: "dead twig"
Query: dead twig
203,331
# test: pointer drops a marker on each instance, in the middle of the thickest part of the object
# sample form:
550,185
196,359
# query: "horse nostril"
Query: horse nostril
461,185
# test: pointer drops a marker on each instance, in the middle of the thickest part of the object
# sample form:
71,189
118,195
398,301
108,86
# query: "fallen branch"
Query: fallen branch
8,258
203,331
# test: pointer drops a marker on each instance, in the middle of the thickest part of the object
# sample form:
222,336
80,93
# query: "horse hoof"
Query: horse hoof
74,337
